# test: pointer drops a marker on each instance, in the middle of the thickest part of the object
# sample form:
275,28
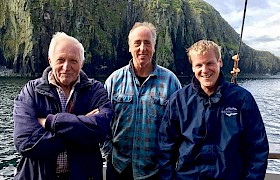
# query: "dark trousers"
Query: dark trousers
112,174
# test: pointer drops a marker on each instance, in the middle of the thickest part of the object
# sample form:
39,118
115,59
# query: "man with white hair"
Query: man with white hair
60,118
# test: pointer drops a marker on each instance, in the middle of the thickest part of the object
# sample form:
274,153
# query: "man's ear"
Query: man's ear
192,68
221,62
49,60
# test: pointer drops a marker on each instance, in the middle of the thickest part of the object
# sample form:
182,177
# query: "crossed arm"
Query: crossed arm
42,121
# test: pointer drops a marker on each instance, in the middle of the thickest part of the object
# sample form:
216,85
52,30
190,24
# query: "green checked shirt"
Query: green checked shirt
138,113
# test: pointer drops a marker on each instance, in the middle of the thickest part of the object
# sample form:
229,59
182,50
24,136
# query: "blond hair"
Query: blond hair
203,46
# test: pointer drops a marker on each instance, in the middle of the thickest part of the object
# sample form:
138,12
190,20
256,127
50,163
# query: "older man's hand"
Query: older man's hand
95,111
42,121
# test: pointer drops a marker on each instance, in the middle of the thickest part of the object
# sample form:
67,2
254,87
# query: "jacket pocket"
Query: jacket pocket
35,169
123,105
122,98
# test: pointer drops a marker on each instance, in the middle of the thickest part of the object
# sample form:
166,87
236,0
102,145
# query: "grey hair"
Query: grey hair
148,25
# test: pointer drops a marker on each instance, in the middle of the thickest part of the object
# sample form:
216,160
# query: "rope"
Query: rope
235,58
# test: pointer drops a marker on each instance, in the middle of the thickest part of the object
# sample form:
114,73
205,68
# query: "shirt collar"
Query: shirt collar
152,74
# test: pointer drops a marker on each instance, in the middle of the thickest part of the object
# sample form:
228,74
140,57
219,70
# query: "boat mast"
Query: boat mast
236,57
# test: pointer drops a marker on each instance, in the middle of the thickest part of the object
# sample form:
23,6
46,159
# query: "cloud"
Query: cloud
262,22
264,39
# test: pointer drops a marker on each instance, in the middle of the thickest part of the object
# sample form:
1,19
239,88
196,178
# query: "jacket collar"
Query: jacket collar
216,96
221,81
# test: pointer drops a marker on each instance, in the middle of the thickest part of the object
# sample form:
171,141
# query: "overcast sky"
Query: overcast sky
262,21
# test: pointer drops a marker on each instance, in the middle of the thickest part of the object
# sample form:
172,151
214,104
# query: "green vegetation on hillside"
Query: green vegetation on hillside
102,26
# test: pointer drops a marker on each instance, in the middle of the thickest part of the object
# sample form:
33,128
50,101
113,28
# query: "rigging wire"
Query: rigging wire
236,57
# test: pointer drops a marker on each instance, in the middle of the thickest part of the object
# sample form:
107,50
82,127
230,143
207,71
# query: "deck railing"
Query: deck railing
274,151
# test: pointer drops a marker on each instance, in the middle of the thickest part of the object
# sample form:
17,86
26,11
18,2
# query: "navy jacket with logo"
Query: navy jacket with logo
221,136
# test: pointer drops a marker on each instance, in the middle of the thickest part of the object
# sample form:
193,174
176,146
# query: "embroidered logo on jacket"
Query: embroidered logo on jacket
230,111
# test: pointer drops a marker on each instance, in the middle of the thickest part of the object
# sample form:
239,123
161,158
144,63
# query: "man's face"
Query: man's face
66,63
141,47
206,68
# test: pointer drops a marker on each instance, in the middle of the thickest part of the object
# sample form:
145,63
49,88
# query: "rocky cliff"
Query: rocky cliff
26,27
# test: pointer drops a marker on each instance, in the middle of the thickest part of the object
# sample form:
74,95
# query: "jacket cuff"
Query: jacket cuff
49,122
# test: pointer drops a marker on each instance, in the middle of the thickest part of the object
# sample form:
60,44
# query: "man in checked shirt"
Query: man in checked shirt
60,118
139,93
